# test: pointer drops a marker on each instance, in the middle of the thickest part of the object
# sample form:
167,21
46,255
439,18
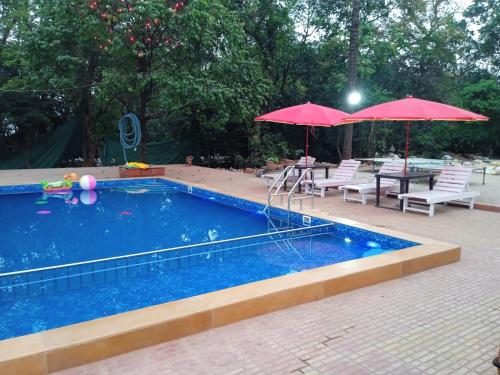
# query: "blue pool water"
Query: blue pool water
41,233
37,231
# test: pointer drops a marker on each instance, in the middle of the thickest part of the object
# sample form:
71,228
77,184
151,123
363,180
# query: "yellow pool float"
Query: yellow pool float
135,164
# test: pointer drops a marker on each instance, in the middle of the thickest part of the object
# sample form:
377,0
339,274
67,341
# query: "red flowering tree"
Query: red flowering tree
141,36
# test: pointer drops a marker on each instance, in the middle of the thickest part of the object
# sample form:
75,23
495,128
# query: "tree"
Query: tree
352,72
59,56
215,82
25,114
141,36
486,14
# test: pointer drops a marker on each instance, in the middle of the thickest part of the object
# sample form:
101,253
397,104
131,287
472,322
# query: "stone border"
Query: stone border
78,344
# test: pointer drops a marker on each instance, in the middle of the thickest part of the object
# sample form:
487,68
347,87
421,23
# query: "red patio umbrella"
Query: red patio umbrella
413,109
305,114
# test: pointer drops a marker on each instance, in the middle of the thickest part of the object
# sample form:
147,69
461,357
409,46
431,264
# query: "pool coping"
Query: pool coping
81,343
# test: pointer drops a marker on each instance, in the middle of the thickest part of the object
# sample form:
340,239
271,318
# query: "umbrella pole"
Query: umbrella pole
307,143
407,143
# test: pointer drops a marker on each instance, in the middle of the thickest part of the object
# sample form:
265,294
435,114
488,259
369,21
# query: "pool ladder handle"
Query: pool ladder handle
307,195
277,185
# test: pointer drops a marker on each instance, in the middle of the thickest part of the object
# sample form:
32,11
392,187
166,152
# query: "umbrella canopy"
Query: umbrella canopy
413,109
306,114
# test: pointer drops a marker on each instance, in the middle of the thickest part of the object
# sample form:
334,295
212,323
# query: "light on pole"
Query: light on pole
354,98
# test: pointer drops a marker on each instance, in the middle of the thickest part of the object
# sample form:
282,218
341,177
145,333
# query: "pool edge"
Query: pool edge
90,341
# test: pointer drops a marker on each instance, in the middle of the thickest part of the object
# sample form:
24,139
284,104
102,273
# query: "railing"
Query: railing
306,195
88,273
277,186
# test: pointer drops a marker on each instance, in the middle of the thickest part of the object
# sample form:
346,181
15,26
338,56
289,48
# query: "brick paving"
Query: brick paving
442,321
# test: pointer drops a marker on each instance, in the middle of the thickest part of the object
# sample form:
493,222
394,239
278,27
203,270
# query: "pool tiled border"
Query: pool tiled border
77,344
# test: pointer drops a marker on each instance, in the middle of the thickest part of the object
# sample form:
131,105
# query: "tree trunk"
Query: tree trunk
339,151
371,141
89,146
143,120
254,141
88,139
88,120
352,68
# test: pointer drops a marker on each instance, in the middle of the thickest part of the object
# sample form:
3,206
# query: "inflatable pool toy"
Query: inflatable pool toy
88,197
57,187
87,182
135,164
71,176
44,212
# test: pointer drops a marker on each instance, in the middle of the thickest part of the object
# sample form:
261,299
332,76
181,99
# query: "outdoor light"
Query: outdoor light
354,98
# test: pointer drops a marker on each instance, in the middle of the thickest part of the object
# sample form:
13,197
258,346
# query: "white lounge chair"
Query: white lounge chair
344,174
386,184
269,178
452,186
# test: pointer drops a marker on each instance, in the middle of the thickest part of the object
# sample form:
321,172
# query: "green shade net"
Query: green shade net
165,152
60,144
64,143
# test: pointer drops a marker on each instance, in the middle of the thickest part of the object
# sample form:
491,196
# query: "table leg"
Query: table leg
484,175
431,183
407,186
402,185
328,168
377,193
300,175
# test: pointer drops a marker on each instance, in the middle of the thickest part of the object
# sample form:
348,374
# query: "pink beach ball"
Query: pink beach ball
88,197
87,182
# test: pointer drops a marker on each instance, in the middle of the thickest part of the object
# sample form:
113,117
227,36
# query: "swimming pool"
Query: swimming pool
137,243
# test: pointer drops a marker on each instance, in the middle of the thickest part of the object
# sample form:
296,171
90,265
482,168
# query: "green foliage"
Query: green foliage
486,46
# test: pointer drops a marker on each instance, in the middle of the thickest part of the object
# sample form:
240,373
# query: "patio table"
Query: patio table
301,168
404,183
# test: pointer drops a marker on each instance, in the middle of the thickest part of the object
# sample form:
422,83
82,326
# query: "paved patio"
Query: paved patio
442,321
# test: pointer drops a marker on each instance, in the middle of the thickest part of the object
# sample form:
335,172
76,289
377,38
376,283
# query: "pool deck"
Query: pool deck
444,320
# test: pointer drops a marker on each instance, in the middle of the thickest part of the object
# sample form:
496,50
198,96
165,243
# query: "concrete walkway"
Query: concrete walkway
442,321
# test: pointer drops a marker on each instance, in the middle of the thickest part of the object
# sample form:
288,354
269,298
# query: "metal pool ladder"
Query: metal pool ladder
275,189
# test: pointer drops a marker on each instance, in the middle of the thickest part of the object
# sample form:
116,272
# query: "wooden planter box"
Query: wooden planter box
137,172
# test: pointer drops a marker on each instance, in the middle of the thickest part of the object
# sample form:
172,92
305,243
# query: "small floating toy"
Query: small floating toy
87,182
71,176
57,187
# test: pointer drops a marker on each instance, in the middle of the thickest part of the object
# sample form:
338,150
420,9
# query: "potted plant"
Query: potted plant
272,163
